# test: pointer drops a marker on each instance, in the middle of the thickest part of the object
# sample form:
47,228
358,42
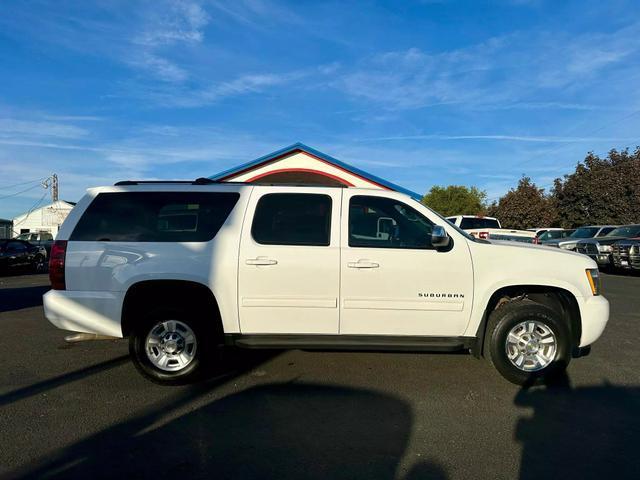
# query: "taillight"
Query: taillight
483,235
536,240
56,264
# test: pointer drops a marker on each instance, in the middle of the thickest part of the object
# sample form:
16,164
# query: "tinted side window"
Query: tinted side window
379,222
155,216
292,219
604,231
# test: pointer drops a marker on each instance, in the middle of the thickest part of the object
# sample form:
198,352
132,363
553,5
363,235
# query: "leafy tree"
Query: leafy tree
456,200
525,206
601,190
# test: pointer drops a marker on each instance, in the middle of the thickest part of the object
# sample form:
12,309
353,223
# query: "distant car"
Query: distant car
552,235
489,228
626,254
589,231
600,249
21,255
542,231
42,239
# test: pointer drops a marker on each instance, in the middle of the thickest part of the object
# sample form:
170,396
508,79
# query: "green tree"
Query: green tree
601,190
525,206
456,200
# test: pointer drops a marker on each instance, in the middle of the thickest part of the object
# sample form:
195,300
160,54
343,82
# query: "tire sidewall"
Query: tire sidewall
137,348
508,319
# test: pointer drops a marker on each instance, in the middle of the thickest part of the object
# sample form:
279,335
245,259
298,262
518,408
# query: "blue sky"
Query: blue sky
420,93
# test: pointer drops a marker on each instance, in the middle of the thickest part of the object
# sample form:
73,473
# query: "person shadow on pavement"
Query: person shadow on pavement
271,431
583,432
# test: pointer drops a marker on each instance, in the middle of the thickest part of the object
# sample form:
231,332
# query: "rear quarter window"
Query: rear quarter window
155,216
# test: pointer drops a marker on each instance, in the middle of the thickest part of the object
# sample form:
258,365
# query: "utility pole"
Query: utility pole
54,188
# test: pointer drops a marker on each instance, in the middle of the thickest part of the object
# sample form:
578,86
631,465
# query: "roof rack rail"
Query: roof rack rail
197,181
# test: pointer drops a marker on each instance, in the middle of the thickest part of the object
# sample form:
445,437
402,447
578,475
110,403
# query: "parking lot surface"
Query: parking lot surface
82,411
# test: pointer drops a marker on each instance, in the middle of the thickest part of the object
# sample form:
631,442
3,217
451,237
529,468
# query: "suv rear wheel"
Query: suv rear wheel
169,347
527,341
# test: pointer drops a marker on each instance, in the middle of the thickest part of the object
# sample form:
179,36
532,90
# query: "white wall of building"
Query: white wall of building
44,219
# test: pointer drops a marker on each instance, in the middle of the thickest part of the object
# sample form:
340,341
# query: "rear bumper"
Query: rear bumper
594,312
88,312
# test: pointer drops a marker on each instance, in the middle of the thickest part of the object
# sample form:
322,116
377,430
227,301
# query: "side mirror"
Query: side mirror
439,237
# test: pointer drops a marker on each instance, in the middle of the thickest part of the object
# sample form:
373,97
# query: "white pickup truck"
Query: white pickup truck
182,268
489,228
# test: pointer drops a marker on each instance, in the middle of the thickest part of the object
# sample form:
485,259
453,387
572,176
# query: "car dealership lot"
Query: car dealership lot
80,410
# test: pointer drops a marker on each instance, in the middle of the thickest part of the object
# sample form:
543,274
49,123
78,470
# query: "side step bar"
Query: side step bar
351,342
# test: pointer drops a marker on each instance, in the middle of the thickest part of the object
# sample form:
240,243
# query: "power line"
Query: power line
24,183
20,192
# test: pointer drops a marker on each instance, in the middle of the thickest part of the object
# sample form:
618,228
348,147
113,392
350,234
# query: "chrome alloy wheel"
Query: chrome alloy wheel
171,345
531,346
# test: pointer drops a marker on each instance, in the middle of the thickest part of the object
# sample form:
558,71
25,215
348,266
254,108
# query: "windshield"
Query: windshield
551,235
473,223
23,236
628,231
585,232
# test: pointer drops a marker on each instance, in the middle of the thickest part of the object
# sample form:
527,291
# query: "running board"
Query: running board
351,342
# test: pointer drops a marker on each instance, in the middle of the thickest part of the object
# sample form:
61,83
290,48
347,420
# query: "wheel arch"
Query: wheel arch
186,294
558,299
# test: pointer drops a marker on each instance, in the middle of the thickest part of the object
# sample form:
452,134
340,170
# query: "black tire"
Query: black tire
508,316
206,348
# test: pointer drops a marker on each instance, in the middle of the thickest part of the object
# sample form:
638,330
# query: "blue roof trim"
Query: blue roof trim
323,156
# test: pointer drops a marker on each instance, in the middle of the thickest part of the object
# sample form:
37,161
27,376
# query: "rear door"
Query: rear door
289,266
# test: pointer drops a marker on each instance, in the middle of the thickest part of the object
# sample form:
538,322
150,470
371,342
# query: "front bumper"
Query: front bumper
602,259
81,311
594,313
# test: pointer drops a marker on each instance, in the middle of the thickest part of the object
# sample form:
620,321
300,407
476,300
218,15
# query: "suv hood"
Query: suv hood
606,240
532,249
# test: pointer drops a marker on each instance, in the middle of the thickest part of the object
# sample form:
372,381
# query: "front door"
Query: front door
289,271
393,282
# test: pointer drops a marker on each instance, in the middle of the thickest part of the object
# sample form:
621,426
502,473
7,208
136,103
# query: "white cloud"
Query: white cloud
10,127
507,70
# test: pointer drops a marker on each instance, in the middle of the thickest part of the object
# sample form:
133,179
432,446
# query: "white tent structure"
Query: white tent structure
43,219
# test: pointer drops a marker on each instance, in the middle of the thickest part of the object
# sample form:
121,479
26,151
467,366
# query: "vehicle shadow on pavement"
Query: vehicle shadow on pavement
583,432
23,297
271,431
60,380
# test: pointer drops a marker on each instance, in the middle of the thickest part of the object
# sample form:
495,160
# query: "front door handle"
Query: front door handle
260,261
363,264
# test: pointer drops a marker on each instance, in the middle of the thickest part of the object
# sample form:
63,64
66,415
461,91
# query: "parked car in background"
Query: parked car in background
541,231
626,254
600,249
42,239
552,235
589,231
20,255
489,228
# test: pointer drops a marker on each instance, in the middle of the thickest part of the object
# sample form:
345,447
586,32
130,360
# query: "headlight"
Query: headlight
593,276
605,248
567,246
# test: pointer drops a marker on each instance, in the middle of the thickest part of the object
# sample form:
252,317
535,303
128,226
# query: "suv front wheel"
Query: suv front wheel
527,341
169,348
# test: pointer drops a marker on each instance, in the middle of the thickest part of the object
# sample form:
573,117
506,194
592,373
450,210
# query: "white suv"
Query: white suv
182,268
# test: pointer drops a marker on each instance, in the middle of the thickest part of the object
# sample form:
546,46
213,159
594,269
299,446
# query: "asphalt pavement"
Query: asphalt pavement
82,410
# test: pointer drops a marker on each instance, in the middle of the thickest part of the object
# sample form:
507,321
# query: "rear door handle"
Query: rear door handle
260,261
363,264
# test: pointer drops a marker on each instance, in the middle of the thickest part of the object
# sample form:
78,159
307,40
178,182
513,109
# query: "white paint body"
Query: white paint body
495,233
315,289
